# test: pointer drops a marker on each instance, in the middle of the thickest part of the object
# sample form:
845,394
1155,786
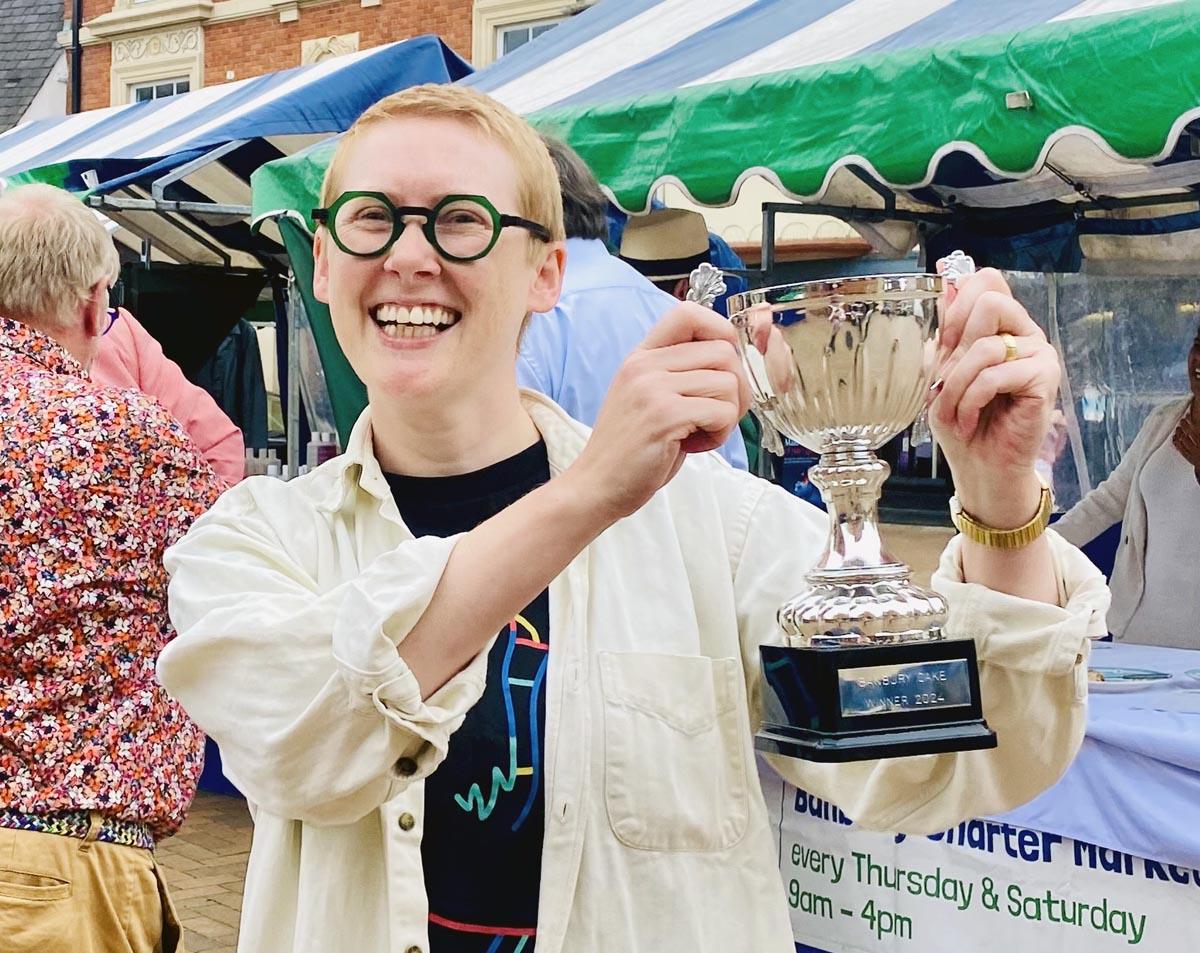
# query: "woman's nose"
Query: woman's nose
411,252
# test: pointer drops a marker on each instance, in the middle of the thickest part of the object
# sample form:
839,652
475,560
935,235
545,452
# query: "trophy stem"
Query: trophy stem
850,477
858,593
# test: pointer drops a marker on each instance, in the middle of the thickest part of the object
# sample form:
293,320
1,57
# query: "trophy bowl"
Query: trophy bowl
841,366
843,361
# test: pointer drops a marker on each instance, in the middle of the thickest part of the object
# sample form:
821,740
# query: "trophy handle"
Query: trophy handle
705,284
953,268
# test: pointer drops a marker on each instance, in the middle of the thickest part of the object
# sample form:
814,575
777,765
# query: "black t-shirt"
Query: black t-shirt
484,805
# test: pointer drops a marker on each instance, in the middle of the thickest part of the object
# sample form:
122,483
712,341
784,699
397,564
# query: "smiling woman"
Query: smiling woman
476,264
514,661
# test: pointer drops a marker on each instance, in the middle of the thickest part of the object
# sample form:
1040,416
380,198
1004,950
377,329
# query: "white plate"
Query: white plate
1126,679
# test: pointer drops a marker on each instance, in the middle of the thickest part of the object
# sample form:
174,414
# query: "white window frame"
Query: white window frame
530,25
152,83
491,17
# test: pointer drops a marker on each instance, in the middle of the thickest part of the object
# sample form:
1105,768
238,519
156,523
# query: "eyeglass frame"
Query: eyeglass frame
113,314
400,213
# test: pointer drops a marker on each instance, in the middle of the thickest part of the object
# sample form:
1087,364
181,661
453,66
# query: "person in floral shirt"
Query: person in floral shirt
96,762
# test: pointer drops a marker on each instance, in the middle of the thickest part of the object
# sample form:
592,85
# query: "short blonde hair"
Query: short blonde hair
53,251
537,183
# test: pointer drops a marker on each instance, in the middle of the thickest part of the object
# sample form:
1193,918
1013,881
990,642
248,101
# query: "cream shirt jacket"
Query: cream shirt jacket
290,600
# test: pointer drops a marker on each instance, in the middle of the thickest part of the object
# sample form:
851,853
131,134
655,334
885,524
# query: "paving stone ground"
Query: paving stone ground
205,866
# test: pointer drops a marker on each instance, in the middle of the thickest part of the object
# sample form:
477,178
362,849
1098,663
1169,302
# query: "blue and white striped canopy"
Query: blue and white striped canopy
121,150
619,49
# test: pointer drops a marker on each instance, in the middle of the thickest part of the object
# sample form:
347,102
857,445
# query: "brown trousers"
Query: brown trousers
65,895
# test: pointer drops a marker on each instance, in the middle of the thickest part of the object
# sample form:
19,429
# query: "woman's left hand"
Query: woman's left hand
994,410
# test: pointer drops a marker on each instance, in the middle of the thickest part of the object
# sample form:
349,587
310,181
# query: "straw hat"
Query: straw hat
666,244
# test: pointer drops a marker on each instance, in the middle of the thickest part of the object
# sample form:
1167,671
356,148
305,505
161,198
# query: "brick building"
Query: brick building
145,49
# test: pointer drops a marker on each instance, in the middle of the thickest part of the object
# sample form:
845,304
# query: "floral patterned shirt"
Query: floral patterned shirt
95,482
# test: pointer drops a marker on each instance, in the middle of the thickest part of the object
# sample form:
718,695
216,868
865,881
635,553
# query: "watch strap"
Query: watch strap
985,535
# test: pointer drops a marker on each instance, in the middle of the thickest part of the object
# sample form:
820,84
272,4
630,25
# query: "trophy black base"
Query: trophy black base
868,702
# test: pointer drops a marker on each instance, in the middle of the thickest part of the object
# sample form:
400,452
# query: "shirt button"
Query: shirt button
406,766
413,949
407,822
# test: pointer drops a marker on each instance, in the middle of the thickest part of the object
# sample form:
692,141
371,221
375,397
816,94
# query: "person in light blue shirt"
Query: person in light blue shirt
606,308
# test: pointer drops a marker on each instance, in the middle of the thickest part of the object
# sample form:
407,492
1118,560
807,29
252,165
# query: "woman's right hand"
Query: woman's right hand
681,391
1187,441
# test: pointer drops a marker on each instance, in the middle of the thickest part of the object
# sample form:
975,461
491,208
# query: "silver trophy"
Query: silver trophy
841,366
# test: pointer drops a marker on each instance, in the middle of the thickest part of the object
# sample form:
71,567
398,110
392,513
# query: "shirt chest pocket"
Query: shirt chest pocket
674,751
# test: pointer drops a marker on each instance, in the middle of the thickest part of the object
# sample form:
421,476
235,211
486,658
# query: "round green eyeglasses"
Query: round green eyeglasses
459,227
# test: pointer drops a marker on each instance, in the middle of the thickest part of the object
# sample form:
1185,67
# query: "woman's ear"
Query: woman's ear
95,317
320,278
547,281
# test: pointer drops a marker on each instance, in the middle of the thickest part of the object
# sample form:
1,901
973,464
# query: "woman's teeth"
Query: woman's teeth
410,330
418,322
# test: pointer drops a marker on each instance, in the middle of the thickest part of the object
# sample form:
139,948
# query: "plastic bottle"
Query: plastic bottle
328,449
323,446
256,462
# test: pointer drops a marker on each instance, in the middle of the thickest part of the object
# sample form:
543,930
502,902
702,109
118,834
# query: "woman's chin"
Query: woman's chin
416,382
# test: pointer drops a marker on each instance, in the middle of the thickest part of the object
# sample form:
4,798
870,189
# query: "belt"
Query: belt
78,824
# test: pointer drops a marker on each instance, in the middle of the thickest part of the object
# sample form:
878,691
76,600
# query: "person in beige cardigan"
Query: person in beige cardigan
1155,492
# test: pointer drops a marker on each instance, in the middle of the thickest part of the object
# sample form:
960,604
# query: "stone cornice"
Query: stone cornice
129,18
138,18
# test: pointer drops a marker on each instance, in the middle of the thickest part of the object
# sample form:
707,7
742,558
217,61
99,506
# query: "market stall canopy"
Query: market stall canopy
997,116
177,169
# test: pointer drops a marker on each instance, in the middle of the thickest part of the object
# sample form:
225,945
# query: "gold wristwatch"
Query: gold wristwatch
976,531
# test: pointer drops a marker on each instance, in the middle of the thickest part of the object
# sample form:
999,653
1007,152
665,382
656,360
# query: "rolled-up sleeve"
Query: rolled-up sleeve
298,681
1033,681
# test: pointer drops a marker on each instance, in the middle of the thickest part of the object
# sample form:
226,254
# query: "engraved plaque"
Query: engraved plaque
906,686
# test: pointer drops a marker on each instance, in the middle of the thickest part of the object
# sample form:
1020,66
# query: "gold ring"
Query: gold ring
1010,347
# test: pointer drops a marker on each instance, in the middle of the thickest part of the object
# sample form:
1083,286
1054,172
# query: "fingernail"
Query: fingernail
936,387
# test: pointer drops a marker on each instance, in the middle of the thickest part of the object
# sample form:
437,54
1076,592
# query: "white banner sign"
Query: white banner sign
983,886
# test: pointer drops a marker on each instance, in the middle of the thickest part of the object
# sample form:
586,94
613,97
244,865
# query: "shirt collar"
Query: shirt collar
587,249
565,439
585,257
40,348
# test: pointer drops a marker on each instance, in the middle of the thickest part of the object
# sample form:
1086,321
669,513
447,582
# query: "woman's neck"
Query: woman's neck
450,438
